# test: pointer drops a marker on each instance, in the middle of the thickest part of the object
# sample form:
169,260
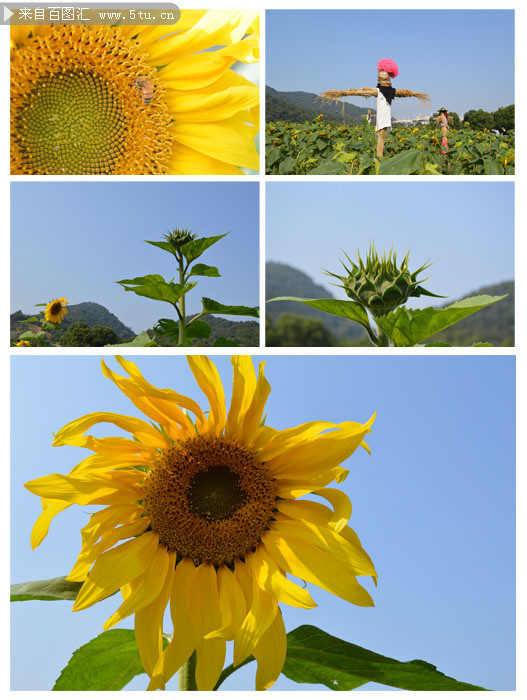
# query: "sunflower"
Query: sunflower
135,100
56,310
213,517
23,343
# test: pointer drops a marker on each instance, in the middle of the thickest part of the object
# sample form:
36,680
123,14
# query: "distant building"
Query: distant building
416,121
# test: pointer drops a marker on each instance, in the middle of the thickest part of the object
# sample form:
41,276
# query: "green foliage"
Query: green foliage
111,660
49,589
79,334
314,656
322,148
108,662
479,119
408,327
214,307
155,287
198,246
298,331
142,340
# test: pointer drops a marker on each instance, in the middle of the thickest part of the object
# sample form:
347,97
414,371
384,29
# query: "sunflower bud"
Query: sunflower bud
379,284
179,236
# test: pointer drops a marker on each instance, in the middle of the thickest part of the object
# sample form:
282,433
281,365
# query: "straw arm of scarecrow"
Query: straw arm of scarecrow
410,93
337,94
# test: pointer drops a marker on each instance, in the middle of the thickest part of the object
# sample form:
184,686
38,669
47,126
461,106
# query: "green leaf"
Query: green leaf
329,168
198,329
314,656
28,335
155,287
205,271
407,327
214,307
193,249
287,165
167,326
108,662
404,163
140,341
482,345
335,307
164,245
30,320
225,343
48,589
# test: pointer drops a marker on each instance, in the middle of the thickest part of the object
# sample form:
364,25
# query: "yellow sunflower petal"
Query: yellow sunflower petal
243,388
210,384
215,28
203,69
262,612
270,653
229,140
204,107
328,540
276,584
50,508
115,568
270,447
143,590
341,505
209,662
85,488
188,161
232,605
253,416
316,566
73,432
90,551
149,621
183,641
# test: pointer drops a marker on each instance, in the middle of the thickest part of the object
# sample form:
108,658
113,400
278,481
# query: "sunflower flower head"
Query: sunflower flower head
56,310
208,515
23,344
380,284
135,100
179,236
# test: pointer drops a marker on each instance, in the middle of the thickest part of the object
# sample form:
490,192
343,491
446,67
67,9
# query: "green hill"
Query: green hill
494,324
305,106
286,281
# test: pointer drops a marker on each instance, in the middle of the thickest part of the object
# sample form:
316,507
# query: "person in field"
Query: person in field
444,120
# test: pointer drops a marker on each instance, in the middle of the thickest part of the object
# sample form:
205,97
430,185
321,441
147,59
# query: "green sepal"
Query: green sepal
214,307
193,249
408,327
48,589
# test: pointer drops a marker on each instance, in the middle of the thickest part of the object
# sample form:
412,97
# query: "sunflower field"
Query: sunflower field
321,148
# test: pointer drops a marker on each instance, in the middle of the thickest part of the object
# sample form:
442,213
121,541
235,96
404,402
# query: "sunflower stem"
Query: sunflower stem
187,674
181,302
382,338
228,670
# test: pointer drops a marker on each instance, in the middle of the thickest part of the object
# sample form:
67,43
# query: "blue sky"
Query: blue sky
434,505
76,239
466,228
464,59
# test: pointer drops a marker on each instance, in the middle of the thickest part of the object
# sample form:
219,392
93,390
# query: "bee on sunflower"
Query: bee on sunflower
76,108
208,515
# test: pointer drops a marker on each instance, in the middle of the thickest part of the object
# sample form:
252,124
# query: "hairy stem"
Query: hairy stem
181,303
187,674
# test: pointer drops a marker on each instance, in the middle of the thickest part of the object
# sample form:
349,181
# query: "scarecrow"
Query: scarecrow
384,92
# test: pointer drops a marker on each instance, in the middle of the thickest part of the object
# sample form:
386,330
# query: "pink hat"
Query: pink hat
389,66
